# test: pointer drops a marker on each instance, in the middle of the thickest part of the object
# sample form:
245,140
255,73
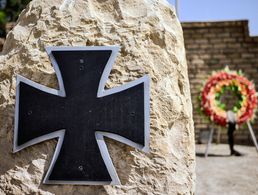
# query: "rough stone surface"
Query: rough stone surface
151,42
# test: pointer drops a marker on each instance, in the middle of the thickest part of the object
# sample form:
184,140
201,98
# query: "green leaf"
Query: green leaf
2,17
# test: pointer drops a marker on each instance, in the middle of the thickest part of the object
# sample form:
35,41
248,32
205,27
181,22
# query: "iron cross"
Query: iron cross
80,114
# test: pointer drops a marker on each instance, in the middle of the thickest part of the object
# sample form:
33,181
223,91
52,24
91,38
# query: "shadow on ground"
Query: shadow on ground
212,155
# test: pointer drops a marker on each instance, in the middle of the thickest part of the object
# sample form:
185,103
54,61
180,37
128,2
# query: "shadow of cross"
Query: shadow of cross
80,113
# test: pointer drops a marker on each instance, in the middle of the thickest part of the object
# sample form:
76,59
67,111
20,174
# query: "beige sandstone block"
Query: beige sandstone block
151,41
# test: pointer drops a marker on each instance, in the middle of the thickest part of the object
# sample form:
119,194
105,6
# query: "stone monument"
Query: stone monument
151,41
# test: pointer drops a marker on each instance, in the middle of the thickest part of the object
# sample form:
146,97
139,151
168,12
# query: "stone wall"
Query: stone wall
210,46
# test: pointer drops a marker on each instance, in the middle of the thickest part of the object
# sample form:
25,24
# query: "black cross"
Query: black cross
80,114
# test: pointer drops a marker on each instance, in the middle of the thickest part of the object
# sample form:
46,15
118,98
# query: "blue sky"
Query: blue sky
217,10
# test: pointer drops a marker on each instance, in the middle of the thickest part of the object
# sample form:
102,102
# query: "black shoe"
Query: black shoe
235,153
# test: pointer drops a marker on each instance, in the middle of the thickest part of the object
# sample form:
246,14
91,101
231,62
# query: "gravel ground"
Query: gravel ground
221,173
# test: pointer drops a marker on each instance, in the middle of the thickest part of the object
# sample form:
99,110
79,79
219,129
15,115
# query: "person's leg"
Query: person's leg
231,129
231,138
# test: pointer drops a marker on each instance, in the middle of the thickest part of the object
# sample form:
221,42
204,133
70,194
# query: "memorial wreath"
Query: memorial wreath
216,86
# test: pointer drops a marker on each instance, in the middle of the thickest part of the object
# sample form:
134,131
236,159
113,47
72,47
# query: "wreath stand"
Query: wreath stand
211,136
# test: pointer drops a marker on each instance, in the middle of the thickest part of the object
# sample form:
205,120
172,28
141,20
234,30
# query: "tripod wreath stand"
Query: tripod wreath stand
228,83
211,132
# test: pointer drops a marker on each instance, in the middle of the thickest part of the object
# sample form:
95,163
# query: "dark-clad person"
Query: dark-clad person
232,124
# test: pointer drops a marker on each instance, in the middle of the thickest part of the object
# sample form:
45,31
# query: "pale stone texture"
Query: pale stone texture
151,42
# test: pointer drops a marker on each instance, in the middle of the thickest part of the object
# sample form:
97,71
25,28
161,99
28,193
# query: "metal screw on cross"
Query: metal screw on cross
80,114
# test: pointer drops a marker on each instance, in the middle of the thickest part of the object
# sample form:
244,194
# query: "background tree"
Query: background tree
9,12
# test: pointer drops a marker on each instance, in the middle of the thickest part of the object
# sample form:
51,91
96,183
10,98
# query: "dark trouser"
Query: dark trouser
231,129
